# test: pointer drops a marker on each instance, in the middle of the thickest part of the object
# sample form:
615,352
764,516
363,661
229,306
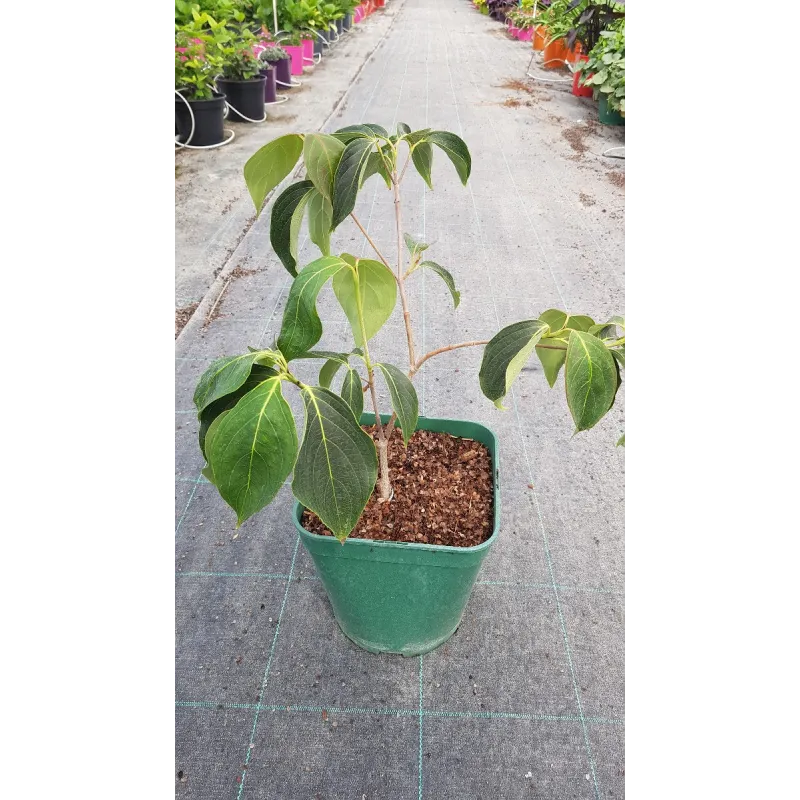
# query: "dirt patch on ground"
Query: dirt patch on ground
512,102
617,178
443,494
519,86
182,316
586,199
216,309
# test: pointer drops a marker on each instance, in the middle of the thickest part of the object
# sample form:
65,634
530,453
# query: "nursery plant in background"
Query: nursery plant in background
242,82
413,503
604,71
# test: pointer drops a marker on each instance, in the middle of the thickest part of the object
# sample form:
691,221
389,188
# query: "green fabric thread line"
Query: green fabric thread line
266,671
421,715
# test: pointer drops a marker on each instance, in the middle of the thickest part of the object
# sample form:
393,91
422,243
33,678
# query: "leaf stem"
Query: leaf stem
372,244
440,350
412,359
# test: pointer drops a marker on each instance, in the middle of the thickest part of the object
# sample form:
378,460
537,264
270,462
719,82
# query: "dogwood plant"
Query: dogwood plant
247,431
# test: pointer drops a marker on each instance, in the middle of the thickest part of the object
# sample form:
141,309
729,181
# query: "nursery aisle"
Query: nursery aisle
526,699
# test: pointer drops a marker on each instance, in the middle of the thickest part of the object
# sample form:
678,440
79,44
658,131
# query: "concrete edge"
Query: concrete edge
212,295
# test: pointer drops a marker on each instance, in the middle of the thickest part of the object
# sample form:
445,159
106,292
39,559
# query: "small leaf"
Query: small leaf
621,441
353,392
269,165
505,355
378,295
590,379
619,354
551,360
301,328
328,372
404,399
226,375
253,450
554,318
422,158
403,129
414,247
348,178
578,323
446,277
321,154
287,213
320,213
456,150
337,465
376,166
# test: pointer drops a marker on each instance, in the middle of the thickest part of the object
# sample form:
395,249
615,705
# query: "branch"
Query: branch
361,228
443,350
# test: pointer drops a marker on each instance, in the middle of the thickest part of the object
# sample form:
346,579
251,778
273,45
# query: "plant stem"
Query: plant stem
372,244
400,283
447,349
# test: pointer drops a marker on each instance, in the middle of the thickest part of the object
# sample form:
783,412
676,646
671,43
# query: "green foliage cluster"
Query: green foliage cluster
605,69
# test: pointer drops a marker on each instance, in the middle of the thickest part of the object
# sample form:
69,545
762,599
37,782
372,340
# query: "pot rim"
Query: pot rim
249,80
298,508
217,96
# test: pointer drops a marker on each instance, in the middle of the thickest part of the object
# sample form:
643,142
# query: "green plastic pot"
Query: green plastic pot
606,115
402,597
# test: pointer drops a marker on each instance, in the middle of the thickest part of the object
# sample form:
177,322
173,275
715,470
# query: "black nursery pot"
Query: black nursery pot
339,26
348,22
283,70
208,120
246,97
317,44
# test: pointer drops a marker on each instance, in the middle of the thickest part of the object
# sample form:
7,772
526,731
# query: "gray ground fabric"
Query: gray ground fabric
527,698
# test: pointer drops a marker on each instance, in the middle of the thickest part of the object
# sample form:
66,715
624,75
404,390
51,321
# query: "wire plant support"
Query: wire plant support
186,144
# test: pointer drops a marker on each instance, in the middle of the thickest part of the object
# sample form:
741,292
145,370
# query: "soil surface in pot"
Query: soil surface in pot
443,493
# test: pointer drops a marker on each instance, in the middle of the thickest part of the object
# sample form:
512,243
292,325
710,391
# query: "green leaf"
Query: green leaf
455,149
404,399
505,355
208,436
376,166
348,178
269,165
422,158
414,247
353,392
403,129
287,214
551,360
212,411
554,318
301,328
320,213
446,277
321,154
376,297
619,355
226,375
590,378
578,323
253,450
417,136
337,465
328,372
621,441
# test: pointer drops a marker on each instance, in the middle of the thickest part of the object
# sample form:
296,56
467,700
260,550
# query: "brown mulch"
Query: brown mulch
443,493
182,316
617,178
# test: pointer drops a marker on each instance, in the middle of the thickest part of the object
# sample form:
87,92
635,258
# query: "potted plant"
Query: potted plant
281,62
604,72
397,582
241,80
270,57
196,65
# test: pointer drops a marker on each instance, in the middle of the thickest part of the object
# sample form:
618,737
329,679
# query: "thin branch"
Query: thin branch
444,350
403,299
374,247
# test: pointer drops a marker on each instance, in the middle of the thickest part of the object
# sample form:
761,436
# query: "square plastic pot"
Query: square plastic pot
402,597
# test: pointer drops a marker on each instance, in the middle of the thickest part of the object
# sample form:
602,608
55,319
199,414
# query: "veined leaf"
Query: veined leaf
348,178
287,214
208,436
320,212
269,165
402,129
301,328
554,318
337,465
422,158
376,300
619,355
446,277
455,149
328,372
353,392
321,154
579,323
226,375
375,166
417,136
505,355
551,360
404,399
590,378
253,449
414,247
213,410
